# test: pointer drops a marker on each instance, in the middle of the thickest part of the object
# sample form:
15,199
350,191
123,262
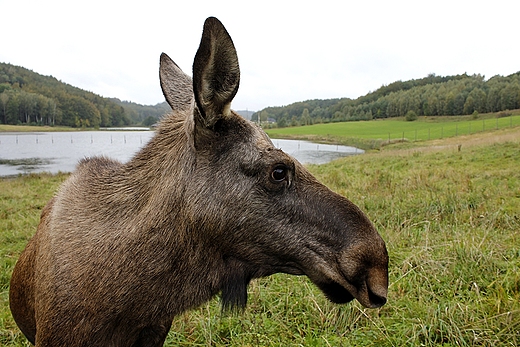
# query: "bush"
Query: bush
503,114
410,116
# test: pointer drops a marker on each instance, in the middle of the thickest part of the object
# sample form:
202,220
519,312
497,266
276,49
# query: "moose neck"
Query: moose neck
155,177
155,183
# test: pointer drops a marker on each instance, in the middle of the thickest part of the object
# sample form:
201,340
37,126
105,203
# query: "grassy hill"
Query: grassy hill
429,96
374,134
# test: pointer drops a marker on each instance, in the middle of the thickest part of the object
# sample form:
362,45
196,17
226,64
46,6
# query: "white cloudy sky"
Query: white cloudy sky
288,50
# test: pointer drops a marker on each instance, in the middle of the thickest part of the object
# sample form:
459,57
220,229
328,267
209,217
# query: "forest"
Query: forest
27,97
430,96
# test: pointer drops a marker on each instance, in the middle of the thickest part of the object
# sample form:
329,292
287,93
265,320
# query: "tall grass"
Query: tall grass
451,220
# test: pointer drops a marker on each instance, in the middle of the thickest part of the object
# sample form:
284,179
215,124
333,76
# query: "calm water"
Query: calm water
60,151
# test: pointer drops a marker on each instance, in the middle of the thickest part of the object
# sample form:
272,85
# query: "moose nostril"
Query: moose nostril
375,299
377,287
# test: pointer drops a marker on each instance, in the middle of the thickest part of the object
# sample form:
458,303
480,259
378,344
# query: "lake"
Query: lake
60,151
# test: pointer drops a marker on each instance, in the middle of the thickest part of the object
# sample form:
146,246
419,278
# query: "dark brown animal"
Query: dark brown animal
207,205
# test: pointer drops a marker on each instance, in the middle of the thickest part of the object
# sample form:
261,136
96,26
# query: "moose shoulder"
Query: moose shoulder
205,207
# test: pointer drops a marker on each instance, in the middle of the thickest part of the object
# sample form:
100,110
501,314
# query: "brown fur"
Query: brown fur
206,206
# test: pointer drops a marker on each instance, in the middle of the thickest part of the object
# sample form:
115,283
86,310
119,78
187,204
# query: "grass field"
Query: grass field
449,211
374,134
34,128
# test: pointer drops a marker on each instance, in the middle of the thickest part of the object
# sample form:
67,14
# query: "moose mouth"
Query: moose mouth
335,292
338,294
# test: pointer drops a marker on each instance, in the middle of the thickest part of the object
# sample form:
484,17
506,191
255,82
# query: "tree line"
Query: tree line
27,97
429,96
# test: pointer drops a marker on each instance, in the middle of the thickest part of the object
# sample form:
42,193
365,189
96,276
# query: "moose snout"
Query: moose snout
373,291
377,289
365,270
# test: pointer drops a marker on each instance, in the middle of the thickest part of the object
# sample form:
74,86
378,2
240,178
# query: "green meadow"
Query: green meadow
374,134
34,128
448,209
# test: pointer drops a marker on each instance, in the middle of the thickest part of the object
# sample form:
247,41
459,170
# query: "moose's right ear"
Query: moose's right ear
176,86
216,74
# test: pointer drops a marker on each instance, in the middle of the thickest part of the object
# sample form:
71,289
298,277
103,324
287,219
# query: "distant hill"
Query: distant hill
27,97
144,114
429,96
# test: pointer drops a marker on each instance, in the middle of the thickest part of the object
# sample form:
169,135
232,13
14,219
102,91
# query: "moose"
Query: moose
207,205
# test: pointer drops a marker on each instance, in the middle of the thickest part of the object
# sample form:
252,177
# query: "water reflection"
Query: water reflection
60,151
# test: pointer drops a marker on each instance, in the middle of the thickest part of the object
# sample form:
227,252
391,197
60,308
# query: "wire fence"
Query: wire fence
424,131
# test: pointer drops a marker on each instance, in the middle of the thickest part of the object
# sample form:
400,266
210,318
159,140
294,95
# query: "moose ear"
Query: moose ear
177,87
216,74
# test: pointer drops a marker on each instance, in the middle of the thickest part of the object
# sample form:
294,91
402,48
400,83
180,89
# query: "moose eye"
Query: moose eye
279,173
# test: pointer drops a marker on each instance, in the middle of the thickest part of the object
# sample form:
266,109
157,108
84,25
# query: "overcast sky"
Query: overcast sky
288,50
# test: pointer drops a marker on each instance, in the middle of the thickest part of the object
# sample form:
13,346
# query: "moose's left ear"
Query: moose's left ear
216,74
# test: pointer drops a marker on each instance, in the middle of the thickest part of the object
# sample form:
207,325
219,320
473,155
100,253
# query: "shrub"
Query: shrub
410,116
503,114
